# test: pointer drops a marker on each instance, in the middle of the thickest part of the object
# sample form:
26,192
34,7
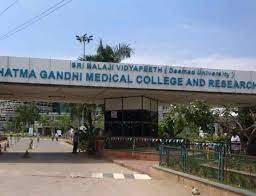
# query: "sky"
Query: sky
202,33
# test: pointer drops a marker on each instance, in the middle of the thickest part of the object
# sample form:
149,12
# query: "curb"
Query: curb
129,167
207,182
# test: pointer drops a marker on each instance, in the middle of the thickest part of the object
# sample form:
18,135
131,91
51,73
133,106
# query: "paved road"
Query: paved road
53,170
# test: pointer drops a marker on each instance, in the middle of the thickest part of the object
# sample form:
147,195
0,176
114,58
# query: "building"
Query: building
52,80
8,107
131,116
163,110
7,111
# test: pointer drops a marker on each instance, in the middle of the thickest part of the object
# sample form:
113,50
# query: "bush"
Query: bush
87,140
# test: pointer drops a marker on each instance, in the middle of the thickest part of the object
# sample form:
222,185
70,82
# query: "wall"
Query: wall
126,154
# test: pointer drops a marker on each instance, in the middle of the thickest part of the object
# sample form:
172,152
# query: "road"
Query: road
52,170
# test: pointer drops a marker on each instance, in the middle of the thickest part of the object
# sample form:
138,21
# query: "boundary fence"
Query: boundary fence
214,161
211,160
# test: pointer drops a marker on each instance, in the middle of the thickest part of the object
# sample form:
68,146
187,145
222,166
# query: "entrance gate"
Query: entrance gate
131,116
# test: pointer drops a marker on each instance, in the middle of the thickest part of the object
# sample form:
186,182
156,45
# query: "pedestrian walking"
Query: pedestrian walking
57,136
31,144
38,137
52,136
75,142
11,139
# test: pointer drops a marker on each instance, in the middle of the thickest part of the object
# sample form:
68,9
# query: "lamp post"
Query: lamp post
84,39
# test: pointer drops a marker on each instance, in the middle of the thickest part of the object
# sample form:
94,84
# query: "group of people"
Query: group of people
74,137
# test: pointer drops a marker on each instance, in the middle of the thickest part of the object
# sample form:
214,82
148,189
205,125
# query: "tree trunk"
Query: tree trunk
82,120
90,119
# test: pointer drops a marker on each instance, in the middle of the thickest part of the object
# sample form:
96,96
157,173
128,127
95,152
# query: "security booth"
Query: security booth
131,116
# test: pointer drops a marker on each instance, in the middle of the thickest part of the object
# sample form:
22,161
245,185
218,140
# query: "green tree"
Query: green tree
83,114
239,119
12,125
76,111
110,54
59,122
44,120
185,120
202,115
99,120
63,122
27,114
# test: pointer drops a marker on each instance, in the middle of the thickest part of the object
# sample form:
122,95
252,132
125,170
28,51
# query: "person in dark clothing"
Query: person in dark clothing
75,142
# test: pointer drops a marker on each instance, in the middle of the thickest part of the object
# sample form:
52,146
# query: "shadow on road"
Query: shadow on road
49,157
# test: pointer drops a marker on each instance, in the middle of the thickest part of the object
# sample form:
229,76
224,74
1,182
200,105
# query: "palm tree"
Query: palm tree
84,113
110,54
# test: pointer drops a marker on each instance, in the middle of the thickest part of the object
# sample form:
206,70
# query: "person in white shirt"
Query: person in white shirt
235,143
56,136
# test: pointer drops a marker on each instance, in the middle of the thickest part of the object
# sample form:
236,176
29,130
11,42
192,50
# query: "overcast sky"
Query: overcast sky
203,33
